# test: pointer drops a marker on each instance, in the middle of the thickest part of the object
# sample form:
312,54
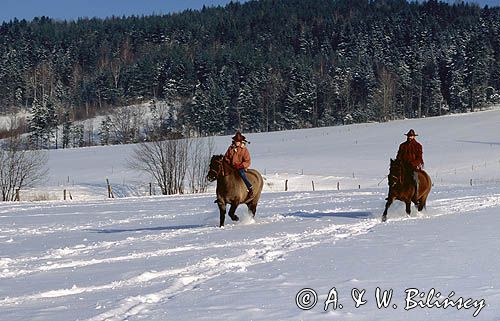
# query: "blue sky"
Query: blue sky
73,9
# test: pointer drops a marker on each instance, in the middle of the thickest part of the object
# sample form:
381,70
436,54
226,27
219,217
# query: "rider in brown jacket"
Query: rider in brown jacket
238,156
410,152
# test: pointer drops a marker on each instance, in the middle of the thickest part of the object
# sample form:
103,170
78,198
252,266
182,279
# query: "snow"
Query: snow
140,257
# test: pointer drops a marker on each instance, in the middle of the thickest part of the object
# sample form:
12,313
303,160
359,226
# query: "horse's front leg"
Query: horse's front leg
387,205
232,210
222,212
408,208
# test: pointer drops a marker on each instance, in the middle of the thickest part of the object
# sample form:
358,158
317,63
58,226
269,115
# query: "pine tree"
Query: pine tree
478,61
67,129
433,99
248,106
198,111
457,90
78,136
104,131
37,124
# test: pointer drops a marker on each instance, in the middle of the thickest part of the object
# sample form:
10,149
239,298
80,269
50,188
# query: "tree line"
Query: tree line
259,66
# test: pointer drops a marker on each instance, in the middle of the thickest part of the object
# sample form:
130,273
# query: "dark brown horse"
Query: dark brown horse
231,189
401,187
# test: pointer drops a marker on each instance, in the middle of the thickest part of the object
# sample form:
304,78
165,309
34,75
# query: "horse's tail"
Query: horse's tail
258,180
423,196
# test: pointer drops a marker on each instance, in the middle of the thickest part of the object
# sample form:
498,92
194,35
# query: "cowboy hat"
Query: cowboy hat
238,137
411,132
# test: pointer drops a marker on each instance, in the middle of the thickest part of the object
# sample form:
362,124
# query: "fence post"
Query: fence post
64,195
312,185
286,185
338,186
18,198
150,189
471,182
110,189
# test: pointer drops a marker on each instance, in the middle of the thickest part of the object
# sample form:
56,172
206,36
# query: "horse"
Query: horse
231,189
401,187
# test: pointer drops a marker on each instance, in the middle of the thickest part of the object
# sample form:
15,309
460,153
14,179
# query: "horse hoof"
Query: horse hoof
235,218
384,218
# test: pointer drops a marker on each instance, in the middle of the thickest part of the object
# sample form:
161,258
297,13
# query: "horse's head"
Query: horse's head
216,167
395,173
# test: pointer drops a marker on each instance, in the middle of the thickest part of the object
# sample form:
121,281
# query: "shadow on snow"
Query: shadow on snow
331,214
478,142
160,228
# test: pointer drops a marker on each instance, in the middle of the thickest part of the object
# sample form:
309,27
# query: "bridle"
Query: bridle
220,170
397,180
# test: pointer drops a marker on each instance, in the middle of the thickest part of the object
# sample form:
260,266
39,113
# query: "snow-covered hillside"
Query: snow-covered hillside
164,258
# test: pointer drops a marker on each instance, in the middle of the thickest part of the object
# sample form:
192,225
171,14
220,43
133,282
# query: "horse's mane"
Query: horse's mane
220,159
397,163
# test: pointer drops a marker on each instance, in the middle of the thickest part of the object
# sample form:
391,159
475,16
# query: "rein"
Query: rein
220,171
397,178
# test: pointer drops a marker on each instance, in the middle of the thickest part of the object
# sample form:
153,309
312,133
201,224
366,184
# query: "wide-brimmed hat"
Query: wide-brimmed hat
238,137
411,132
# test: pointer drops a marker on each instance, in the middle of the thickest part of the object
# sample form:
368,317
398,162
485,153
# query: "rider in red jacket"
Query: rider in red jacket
410,152
238,156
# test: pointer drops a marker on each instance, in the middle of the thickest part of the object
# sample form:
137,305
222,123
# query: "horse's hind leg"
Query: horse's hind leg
252,207
232,210
421,203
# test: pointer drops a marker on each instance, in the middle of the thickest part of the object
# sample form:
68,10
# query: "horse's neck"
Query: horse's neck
227,169
406,180
227,181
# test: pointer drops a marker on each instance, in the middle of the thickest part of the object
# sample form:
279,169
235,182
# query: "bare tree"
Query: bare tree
126,123
199,157
20,168
165,160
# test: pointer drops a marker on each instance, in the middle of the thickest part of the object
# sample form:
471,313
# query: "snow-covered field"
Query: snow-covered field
164,258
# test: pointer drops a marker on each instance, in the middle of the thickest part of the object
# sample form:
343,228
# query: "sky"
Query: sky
73,9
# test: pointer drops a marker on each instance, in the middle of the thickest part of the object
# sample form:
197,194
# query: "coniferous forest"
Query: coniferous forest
259,66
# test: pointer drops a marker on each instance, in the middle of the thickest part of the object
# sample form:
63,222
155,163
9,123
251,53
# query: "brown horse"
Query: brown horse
231,189
401,187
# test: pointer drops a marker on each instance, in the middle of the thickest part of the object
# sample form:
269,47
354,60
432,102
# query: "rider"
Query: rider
238,156
410,153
